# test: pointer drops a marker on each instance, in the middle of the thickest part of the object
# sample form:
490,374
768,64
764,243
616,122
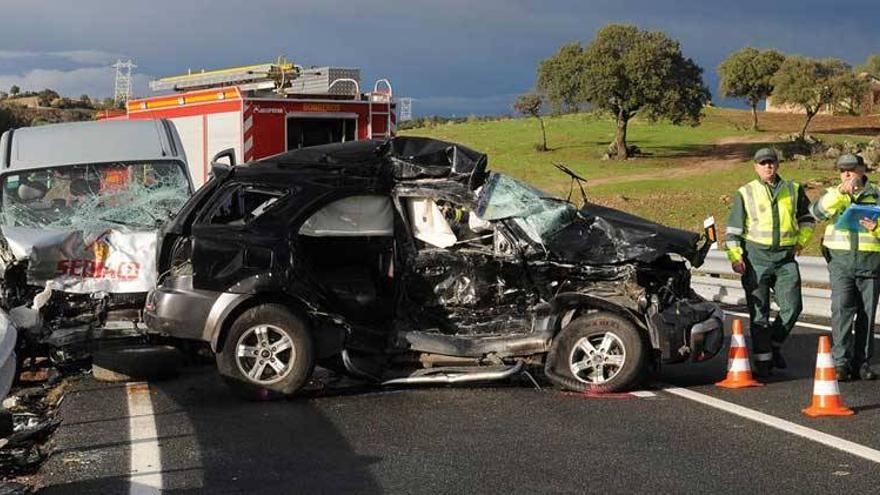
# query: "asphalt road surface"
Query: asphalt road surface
191,435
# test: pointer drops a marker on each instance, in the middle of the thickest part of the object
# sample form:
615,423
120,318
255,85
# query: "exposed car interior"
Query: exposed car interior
348,246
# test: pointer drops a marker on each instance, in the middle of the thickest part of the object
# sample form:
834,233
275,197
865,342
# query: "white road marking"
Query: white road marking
780,424
643,393
799,324
146,458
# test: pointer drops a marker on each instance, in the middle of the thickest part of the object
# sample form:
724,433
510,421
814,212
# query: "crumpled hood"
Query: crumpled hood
603,235
86,261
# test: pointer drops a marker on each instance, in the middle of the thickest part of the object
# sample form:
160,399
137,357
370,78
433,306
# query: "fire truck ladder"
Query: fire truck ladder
380,105
263,76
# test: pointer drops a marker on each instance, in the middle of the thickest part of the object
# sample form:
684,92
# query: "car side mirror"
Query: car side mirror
220,169
707,241
228,153
710,231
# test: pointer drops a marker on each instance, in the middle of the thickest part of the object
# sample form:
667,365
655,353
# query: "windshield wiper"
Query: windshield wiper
574,178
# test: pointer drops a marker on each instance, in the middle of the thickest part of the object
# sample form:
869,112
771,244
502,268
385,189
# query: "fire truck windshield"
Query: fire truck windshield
123,196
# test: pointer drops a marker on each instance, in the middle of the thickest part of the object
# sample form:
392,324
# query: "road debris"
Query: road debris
29,419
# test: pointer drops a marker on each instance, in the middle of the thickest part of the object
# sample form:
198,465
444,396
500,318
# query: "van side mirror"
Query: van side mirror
227,153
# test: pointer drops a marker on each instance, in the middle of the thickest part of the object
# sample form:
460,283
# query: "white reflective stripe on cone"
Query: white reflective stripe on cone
825,387
824,360
737,341
764,356
739,365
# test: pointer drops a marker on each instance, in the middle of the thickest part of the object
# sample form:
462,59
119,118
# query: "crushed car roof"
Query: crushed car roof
410,158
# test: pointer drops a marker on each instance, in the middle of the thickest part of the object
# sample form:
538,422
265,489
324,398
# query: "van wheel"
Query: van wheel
135,362
267,353
600,351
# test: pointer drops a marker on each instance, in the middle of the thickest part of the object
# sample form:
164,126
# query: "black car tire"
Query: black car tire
593,328
279,323
136,362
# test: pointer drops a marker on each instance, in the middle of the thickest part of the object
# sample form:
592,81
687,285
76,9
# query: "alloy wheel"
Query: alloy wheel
265,354
597,358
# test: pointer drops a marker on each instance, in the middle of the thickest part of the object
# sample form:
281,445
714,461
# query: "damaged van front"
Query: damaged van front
80,205
407,261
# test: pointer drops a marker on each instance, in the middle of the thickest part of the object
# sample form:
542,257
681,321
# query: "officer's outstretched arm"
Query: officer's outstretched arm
805,219
831,203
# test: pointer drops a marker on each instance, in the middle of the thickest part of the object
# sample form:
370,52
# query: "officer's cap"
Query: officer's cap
765,154
848,161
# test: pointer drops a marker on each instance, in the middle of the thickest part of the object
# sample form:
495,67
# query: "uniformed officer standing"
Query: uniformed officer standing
854,267
769,224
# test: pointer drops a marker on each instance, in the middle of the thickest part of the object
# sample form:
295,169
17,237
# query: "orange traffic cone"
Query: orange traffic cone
739,373
826,394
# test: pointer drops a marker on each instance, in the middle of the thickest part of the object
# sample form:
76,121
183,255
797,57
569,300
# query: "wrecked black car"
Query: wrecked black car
407,261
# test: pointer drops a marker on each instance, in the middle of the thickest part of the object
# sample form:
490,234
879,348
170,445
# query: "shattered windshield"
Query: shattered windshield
538,213
123,196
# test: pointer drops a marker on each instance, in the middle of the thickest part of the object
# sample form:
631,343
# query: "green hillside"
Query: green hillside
686,174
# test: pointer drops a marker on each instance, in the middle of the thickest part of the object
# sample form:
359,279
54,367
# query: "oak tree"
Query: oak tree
529,104
747,74
629,72
813,84
560,80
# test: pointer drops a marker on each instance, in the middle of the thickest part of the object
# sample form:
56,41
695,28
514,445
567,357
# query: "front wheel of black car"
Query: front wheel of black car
600,351
268,352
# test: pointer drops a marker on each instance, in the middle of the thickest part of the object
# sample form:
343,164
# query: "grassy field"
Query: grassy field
578,141
686,174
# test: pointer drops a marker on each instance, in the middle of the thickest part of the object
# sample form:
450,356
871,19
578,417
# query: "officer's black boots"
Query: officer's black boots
866,373
778,360
763,369
843,374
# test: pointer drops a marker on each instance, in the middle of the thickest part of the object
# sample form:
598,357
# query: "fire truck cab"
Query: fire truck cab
263,110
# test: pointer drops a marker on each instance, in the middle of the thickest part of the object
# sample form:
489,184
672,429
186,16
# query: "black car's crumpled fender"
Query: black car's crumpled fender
603,235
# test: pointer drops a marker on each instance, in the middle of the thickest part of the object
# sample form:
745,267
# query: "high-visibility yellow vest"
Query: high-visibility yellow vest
759,206
842,238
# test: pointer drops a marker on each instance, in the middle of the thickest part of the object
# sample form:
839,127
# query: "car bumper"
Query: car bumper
177,310
689,329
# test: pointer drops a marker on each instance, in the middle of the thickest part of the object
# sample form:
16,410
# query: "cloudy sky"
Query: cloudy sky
454,57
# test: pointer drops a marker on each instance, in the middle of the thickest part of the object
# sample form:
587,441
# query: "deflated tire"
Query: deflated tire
599,351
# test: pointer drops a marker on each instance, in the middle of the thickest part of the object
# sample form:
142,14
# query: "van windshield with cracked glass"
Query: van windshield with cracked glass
123,196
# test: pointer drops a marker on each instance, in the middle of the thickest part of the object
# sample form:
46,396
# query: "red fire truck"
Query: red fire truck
262,110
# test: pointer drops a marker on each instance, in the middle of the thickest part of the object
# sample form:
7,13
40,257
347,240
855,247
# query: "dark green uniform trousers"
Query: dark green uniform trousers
779,271
853,306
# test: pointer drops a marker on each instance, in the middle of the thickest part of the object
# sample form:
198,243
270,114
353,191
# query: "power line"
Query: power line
123,84
405,111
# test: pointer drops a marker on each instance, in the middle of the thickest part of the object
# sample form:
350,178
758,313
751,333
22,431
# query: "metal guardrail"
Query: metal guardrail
708,283
814,269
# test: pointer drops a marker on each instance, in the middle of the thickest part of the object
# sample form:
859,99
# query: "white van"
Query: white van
80,206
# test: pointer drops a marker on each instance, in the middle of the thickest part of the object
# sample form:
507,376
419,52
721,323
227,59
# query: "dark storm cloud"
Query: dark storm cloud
455,57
